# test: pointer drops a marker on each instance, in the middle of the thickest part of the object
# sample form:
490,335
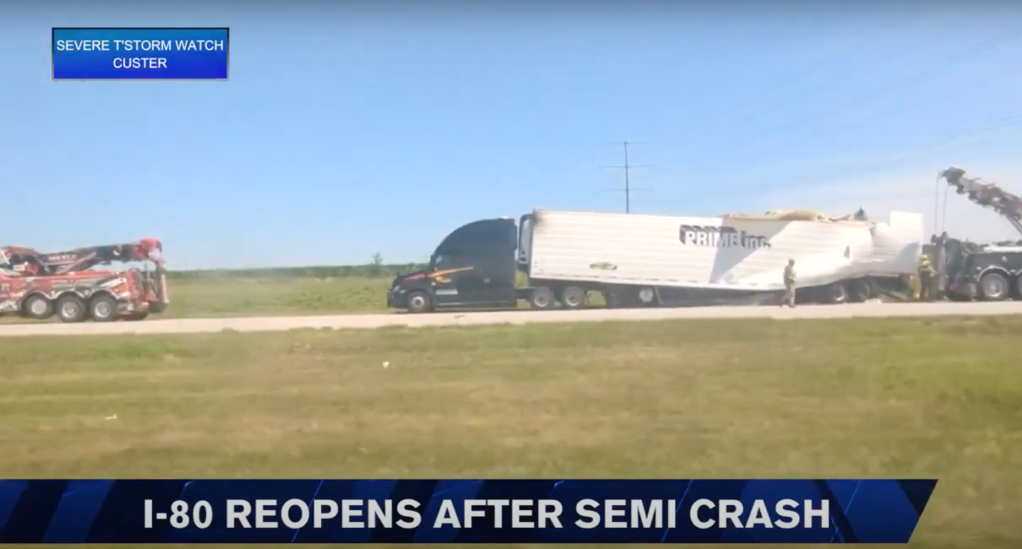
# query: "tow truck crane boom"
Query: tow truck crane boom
31,262
988,195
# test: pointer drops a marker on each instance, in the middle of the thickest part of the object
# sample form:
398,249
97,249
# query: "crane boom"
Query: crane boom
988,195
35,263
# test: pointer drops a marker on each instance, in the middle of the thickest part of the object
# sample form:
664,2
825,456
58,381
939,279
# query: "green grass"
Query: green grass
849,398
284,291
240,296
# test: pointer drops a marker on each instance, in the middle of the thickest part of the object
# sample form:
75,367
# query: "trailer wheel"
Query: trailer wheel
541,298
836,294
102,308
37,307
647,297
859,290
994,287
419,302
71,308
574,297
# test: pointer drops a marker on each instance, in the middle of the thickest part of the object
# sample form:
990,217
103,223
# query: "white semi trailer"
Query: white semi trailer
651,260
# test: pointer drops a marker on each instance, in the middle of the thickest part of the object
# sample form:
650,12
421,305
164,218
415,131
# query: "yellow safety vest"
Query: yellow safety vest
924,263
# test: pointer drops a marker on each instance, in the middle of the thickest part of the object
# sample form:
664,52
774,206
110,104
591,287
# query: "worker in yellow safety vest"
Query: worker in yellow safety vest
789,284
926,273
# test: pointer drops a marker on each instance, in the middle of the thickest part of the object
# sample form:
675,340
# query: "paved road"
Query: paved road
276,324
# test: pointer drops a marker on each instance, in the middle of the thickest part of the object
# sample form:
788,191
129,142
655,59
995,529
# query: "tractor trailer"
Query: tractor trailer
661,261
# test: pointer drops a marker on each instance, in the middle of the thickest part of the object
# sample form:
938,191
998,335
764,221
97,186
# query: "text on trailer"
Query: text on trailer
721,237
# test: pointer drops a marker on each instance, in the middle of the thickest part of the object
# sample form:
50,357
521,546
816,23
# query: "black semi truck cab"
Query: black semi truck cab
473,267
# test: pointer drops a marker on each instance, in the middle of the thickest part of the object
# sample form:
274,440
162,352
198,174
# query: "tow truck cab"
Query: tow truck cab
988,273
475,266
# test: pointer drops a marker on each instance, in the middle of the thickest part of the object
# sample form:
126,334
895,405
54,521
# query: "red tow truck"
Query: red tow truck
66,284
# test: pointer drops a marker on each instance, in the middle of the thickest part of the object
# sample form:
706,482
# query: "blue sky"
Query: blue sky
347,129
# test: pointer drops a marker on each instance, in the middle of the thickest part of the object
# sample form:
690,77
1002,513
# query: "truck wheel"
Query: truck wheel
573,297
419,302
37,307
71,308
994,287
542,298
102,308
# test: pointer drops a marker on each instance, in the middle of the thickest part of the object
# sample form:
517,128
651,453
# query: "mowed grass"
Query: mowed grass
842,398
250,296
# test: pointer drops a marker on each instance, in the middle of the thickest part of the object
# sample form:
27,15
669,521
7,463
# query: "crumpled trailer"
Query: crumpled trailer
648,260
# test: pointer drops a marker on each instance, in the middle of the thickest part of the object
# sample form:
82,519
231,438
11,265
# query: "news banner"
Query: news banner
461,511
163,53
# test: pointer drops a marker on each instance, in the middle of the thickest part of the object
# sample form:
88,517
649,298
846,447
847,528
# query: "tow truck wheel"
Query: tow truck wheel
994,287
573,297
71,308
102,308
37,307
419,302
542,298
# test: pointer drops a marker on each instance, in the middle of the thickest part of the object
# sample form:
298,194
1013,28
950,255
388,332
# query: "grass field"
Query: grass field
858,398
263,296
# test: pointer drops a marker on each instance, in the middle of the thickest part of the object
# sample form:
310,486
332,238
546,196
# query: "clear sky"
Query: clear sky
348,129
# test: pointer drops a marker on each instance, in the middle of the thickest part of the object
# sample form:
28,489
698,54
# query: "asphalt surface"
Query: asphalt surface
283,323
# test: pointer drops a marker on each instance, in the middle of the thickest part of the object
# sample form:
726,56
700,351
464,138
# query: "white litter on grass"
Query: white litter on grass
386,364
108,418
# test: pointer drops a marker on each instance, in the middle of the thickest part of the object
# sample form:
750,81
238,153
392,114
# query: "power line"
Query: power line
627,167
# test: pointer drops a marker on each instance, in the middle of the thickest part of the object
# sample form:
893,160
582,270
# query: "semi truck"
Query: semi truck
67,284
632,261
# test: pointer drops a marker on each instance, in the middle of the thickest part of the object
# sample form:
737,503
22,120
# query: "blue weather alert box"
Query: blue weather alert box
141,53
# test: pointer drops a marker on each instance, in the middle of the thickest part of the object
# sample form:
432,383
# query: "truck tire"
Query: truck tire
542,298
994,287
419,302
71,308
37,307
574,297
103,308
